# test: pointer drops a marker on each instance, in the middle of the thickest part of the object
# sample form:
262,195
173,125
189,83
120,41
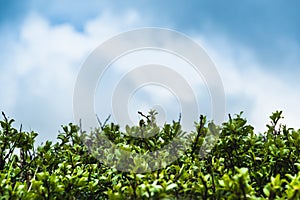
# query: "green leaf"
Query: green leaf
267,190
171,186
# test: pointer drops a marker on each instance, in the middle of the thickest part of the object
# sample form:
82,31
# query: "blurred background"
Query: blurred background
255,46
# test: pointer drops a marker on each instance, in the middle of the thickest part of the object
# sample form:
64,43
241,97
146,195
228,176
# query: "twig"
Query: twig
198,135
106,120
100,124
33,178
5,118
80,126
147,117
230,119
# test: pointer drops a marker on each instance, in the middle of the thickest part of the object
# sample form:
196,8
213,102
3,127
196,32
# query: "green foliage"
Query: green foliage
240,165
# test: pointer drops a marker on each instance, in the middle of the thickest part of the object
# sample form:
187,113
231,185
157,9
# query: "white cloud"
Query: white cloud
41,70
38,76
37,79
257,90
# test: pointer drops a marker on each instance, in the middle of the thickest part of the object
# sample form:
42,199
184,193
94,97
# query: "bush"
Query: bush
240,165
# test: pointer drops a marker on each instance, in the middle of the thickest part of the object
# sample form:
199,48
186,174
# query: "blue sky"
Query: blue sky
255,45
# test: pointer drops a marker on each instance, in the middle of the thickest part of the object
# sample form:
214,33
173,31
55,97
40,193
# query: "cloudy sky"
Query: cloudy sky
255,46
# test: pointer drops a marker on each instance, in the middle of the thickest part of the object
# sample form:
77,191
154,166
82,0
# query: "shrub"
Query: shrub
240,165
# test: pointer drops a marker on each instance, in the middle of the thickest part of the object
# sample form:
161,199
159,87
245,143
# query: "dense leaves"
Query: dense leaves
240,165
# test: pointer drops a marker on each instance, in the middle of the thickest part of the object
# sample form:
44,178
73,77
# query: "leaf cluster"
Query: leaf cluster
213,162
